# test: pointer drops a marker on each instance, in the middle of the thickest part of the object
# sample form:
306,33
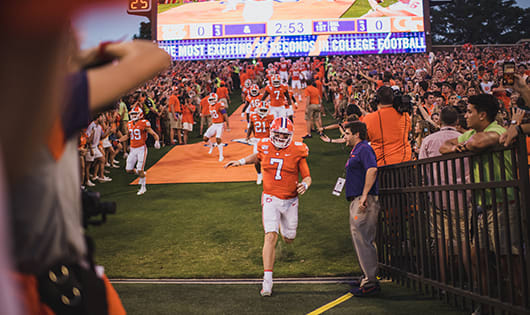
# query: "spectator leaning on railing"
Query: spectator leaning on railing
484,134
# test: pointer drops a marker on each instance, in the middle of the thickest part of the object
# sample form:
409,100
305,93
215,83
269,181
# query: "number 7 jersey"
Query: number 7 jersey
282,167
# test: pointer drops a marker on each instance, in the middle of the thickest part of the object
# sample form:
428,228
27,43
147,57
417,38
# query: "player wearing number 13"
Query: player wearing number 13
283,161
138,129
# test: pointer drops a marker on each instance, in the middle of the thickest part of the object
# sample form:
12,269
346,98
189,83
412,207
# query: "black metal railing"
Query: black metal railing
456,227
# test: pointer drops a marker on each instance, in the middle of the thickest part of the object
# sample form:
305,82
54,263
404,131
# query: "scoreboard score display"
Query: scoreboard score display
229,29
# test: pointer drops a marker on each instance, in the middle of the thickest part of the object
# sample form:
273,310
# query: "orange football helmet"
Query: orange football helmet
281,132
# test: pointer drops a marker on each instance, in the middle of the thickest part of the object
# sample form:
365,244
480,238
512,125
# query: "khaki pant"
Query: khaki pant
363,227
312,112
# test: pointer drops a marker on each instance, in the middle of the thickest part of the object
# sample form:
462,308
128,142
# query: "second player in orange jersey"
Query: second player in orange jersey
260,122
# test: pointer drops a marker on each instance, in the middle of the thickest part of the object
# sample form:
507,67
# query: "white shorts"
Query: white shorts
96,154
106,143
187,126
278,111
136,156
296,84
307,74
289,111
215,130
280,215
284,76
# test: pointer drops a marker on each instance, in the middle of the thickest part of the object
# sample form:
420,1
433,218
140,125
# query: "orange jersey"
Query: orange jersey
277,94
284,66
295,75
138,132
205,106
245,91
261,125
187,113
281,168
253,102
83,139
216,111
175,103
222,92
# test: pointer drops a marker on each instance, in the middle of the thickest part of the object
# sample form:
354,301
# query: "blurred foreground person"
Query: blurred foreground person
56,272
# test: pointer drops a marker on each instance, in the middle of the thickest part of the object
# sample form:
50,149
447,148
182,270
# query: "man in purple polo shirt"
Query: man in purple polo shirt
362,192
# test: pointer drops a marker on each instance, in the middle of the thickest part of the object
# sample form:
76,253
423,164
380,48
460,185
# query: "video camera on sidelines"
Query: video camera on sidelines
93,206
402,102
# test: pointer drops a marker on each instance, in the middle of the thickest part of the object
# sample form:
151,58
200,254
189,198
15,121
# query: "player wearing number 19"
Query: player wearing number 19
138,129
283,161
219,117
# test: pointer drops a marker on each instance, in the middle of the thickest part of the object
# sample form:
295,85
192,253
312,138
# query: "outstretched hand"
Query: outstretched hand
232,163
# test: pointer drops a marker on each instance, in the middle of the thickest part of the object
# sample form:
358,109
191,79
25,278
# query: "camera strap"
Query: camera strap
382,136
71,289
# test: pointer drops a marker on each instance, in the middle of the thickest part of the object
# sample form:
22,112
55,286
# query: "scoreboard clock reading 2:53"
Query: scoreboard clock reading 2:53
225,29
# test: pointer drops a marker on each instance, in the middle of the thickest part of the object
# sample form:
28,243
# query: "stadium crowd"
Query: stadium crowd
175,101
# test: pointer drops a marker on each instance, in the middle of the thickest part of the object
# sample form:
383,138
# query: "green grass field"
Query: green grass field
361,7
165,7
215,230
287,299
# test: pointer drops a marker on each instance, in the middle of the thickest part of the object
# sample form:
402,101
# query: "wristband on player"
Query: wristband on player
514,122
242,161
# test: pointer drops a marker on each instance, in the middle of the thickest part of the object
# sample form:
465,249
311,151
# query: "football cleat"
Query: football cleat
266,288
281,132
141,191
366,290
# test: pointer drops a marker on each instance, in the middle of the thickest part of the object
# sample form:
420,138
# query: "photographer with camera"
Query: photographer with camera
53,256
389,126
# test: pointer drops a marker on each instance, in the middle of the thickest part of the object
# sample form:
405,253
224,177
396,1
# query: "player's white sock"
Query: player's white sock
210,145
220,148
142,182
267,275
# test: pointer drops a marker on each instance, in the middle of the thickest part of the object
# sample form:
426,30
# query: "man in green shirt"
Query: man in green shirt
484,134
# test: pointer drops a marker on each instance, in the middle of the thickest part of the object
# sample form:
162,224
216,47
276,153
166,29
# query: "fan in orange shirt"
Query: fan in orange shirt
206,119
260,122
283,161
222,93
138,129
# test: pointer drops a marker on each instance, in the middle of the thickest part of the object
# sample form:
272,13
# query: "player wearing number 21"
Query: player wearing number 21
138,129
283,162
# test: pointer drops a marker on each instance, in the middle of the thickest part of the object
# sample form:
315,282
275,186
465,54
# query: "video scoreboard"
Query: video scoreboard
268,29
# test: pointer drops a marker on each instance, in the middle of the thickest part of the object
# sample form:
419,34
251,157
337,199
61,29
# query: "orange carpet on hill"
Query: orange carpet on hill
192,164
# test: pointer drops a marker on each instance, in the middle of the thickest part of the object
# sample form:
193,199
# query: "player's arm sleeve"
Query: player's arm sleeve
303,168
